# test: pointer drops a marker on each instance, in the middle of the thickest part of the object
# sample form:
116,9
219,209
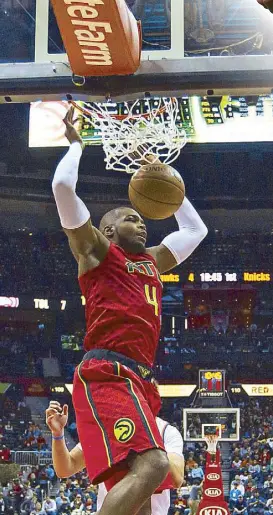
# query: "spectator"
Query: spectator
195,496
5,505
234,494
9,427
50,473
190,463
49,506
237,463
88,507
244,477
240,506
255,469
269,506
180,505
28,505
256,505
38,510
77,504
197,472
62,502
36,431
5,454
18,492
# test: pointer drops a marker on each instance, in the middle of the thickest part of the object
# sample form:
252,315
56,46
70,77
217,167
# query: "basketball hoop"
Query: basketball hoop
132,139
211,441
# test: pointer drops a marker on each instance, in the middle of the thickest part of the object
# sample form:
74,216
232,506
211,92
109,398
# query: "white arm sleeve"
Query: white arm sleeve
173,441
192,231
72,211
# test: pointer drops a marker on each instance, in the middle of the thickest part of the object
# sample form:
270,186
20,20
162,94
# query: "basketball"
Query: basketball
156,191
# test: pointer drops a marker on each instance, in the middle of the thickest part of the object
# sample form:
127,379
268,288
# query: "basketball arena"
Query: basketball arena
136,251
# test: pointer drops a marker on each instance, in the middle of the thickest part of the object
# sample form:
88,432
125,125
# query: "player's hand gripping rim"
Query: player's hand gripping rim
71,132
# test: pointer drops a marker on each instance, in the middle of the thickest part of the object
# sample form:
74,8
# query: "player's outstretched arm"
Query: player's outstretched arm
179,245
84,239
65,463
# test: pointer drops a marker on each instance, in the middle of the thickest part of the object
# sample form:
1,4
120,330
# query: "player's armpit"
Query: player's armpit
87,240
165,260
177,466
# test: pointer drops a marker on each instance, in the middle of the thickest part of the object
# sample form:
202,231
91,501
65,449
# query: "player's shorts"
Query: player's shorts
113,404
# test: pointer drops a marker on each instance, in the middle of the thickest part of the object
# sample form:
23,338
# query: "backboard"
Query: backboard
223,422
189,46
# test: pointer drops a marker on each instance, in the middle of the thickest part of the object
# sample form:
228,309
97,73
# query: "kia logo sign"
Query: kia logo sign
213,492
213,510
213,476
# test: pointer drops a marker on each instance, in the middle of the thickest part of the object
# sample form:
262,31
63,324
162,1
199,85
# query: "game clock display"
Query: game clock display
229,277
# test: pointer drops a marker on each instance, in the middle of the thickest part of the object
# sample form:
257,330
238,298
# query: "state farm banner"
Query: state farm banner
213,501
101,37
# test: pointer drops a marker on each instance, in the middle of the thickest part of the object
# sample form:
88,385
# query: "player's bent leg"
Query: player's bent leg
147,471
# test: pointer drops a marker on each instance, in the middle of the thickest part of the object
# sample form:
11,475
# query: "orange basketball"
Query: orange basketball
156,191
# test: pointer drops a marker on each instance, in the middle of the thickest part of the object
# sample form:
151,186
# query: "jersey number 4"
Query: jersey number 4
150,293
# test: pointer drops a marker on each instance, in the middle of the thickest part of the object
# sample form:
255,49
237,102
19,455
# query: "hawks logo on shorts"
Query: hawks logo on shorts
145,372
124,429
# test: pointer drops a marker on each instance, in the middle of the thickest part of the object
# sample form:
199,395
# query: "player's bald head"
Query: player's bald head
126,228
110,218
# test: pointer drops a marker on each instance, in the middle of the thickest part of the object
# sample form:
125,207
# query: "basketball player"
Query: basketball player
68,463
267,4
114,397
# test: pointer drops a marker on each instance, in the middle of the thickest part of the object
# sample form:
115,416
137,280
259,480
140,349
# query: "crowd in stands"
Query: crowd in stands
30,494
239,350
17,430
43,260
251,469
251,490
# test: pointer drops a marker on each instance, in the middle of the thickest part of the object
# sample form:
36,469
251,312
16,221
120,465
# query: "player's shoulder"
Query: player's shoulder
167,430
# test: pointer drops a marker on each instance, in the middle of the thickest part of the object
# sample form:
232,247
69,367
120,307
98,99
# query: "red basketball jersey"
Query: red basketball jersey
123,305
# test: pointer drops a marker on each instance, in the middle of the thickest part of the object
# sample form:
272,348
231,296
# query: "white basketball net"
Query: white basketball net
137,139
211,441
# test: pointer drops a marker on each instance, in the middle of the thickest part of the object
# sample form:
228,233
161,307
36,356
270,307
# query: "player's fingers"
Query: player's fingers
71,114
55,409
66,118
55,404
51,412
65,409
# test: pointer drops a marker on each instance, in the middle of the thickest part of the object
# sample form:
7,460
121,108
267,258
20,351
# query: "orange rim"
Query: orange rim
117,116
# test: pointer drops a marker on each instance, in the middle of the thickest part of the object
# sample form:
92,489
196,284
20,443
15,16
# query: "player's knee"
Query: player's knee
157,467
161,465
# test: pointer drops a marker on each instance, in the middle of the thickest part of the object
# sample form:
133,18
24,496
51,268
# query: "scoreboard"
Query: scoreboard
211,383
205,119
246,277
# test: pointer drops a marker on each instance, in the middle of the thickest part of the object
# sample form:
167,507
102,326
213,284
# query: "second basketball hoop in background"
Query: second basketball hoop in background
156,191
